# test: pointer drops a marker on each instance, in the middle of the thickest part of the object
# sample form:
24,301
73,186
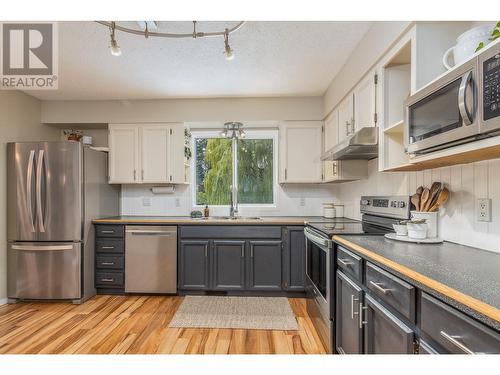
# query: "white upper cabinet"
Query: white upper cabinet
146,153
123,153
301,145
346,117
331,139
364,102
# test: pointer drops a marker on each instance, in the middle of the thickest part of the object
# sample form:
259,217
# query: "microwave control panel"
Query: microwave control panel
491,90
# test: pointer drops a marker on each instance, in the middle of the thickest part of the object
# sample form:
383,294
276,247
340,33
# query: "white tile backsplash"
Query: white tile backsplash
457,220
288,203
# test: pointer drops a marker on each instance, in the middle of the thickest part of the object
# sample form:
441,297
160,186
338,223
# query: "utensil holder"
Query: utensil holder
430,219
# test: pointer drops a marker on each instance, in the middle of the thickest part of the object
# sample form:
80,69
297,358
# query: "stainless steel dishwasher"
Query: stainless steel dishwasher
150,259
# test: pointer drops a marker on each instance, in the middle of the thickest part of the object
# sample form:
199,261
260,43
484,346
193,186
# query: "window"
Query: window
254,165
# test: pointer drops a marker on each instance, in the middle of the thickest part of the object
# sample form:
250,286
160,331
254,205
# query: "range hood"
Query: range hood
362,145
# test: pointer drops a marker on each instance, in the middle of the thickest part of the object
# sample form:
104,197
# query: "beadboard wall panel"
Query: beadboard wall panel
457,220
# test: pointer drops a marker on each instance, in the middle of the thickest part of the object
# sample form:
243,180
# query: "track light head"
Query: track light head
114,47
228,52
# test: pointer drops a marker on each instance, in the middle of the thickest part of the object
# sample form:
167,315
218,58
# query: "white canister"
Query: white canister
328,210
467,44
431,221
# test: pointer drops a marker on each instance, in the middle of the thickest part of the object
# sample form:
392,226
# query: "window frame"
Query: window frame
250,134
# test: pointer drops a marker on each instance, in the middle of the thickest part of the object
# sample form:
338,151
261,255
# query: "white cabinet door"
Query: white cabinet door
364,102
331,139
301,148
123,154
346,117
155,153
177,168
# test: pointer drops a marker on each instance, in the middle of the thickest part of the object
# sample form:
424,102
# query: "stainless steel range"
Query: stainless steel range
379,213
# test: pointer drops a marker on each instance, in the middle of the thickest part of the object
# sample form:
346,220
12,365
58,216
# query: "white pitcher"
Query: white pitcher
467,44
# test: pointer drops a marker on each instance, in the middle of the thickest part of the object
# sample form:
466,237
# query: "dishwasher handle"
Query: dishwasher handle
150,232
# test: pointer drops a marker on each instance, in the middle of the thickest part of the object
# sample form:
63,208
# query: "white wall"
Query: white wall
457,220
19,121
135,200
182,110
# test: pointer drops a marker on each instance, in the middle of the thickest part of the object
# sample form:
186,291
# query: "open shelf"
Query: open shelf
396,128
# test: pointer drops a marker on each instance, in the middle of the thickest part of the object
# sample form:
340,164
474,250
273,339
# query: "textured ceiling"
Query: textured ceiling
272,59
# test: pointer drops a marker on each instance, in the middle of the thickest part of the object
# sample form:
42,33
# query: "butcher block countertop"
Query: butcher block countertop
465,277
243,220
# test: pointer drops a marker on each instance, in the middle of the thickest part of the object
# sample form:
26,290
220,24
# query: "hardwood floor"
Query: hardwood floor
139,325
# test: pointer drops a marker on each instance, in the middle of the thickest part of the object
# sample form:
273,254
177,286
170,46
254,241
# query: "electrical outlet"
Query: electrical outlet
146,202
483,209
302,202
177,202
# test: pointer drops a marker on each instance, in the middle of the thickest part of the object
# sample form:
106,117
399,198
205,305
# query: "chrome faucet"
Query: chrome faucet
233,210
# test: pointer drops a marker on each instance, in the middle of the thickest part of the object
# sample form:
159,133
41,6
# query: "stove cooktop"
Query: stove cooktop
331,229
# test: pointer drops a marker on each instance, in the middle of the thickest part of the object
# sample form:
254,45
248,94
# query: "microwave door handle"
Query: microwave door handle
462,106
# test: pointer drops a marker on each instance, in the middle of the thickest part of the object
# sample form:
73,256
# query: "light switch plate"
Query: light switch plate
484,209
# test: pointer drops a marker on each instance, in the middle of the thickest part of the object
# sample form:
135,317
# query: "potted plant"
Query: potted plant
73,135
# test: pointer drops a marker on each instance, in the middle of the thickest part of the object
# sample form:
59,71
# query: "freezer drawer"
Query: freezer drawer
44,270
150,259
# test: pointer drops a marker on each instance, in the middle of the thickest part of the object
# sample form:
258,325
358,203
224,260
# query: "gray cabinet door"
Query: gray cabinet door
264,265
384,333
294,259
228,265
194,264
348,335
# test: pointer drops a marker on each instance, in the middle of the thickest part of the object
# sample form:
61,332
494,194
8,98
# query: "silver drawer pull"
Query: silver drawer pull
345,262
108,280
108,263
107,231
379,288
361,321
455,341
352,306
107,247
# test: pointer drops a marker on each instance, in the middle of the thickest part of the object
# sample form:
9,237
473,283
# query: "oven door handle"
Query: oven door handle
320,241
462,105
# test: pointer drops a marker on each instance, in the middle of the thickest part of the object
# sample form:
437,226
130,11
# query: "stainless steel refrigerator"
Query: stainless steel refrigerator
54,190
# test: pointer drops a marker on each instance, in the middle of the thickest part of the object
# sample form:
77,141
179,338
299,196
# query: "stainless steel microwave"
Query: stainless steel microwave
460,106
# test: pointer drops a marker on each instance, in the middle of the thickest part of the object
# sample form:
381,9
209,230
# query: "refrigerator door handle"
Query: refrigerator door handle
39,212
42,248
29,195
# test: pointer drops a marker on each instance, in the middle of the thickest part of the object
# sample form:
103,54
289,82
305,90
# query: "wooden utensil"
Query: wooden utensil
420,189
415,199
444,194
423,199
433,194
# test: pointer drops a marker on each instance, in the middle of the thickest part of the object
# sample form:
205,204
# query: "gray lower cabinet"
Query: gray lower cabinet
228,265
294,258
384,332
194,264
348,331
264,266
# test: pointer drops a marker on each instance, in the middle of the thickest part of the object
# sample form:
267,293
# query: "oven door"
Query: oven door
443,113
318,270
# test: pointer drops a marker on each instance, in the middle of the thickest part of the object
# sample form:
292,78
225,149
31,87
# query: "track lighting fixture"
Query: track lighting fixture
228,52
148,29
114,47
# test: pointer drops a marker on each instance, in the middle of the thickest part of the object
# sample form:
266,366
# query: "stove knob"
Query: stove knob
402,204
365,202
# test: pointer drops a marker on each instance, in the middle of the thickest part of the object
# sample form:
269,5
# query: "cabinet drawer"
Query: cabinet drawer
109,230
230,231
109,279
454,331
349,263
109,246
392,290
110,262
